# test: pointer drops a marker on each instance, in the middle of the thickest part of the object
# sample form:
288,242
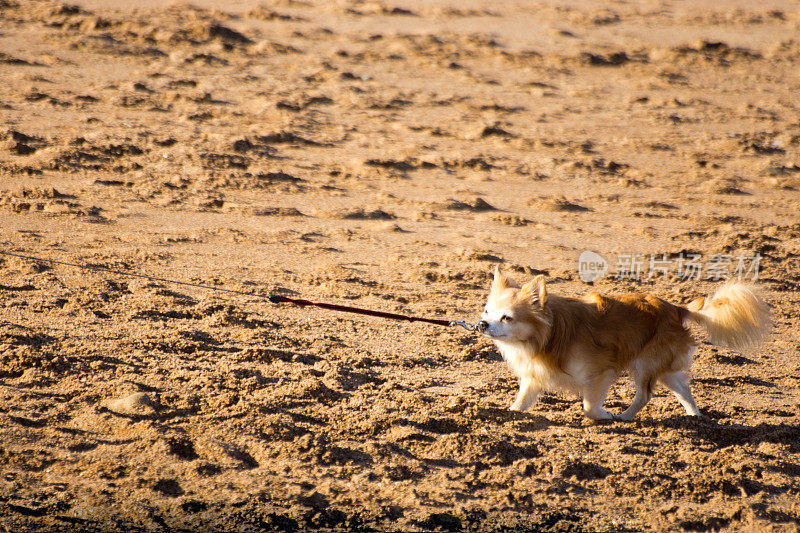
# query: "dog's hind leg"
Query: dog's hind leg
527,395
642,374
678,383
640,399
594,394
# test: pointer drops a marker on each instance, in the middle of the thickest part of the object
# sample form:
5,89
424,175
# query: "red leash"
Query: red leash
347,309
273,298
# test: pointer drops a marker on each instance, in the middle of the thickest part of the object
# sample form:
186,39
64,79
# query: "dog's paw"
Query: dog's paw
599,415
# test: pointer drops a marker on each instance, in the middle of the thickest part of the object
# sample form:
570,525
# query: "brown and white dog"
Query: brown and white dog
583,345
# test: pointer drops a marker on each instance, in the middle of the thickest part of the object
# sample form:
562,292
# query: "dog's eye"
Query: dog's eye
506,318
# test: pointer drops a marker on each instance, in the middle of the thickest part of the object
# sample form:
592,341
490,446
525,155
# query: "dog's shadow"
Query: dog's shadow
523,421
707,430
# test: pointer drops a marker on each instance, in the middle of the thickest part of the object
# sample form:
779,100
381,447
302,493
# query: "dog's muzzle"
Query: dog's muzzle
482,326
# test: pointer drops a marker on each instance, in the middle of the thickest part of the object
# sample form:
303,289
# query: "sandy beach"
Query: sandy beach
385,155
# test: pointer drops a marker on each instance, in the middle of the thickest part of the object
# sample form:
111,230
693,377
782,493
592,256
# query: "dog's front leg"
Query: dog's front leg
527,395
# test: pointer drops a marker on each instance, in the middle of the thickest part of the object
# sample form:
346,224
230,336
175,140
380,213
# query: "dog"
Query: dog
553,342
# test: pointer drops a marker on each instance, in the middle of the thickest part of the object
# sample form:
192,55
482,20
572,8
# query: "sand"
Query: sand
384,155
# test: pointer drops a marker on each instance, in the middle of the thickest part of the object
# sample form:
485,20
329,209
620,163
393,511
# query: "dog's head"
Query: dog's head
515,313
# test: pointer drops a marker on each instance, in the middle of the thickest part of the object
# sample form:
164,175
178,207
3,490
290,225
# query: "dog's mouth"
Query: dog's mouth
489,335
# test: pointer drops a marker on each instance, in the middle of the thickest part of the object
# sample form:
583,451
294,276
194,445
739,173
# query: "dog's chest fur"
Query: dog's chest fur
522,361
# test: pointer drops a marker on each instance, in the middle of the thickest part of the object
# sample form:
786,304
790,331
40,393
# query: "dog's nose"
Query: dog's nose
483,326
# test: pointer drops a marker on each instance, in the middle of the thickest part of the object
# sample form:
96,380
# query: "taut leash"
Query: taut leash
273,298
276,299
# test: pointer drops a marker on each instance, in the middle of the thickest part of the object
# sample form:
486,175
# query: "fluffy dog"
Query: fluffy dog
583,345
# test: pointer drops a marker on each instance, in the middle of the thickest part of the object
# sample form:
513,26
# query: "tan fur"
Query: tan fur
735,316
553,342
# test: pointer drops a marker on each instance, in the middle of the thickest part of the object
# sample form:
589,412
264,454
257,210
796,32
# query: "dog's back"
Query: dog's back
612,331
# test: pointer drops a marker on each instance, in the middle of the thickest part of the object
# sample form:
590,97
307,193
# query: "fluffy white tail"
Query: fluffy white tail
735,317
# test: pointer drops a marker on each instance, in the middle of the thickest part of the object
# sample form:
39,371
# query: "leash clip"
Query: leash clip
463,324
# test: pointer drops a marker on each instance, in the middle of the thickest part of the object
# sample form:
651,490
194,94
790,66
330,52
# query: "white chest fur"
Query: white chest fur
522,361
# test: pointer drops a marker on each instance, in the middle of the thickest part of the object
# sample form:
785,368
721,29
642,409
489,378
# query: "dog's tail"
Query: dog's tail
735,317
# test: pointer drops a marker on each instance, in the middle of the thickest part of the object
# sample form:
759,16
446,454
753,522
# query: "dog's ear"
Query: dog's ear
534,291
500,281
